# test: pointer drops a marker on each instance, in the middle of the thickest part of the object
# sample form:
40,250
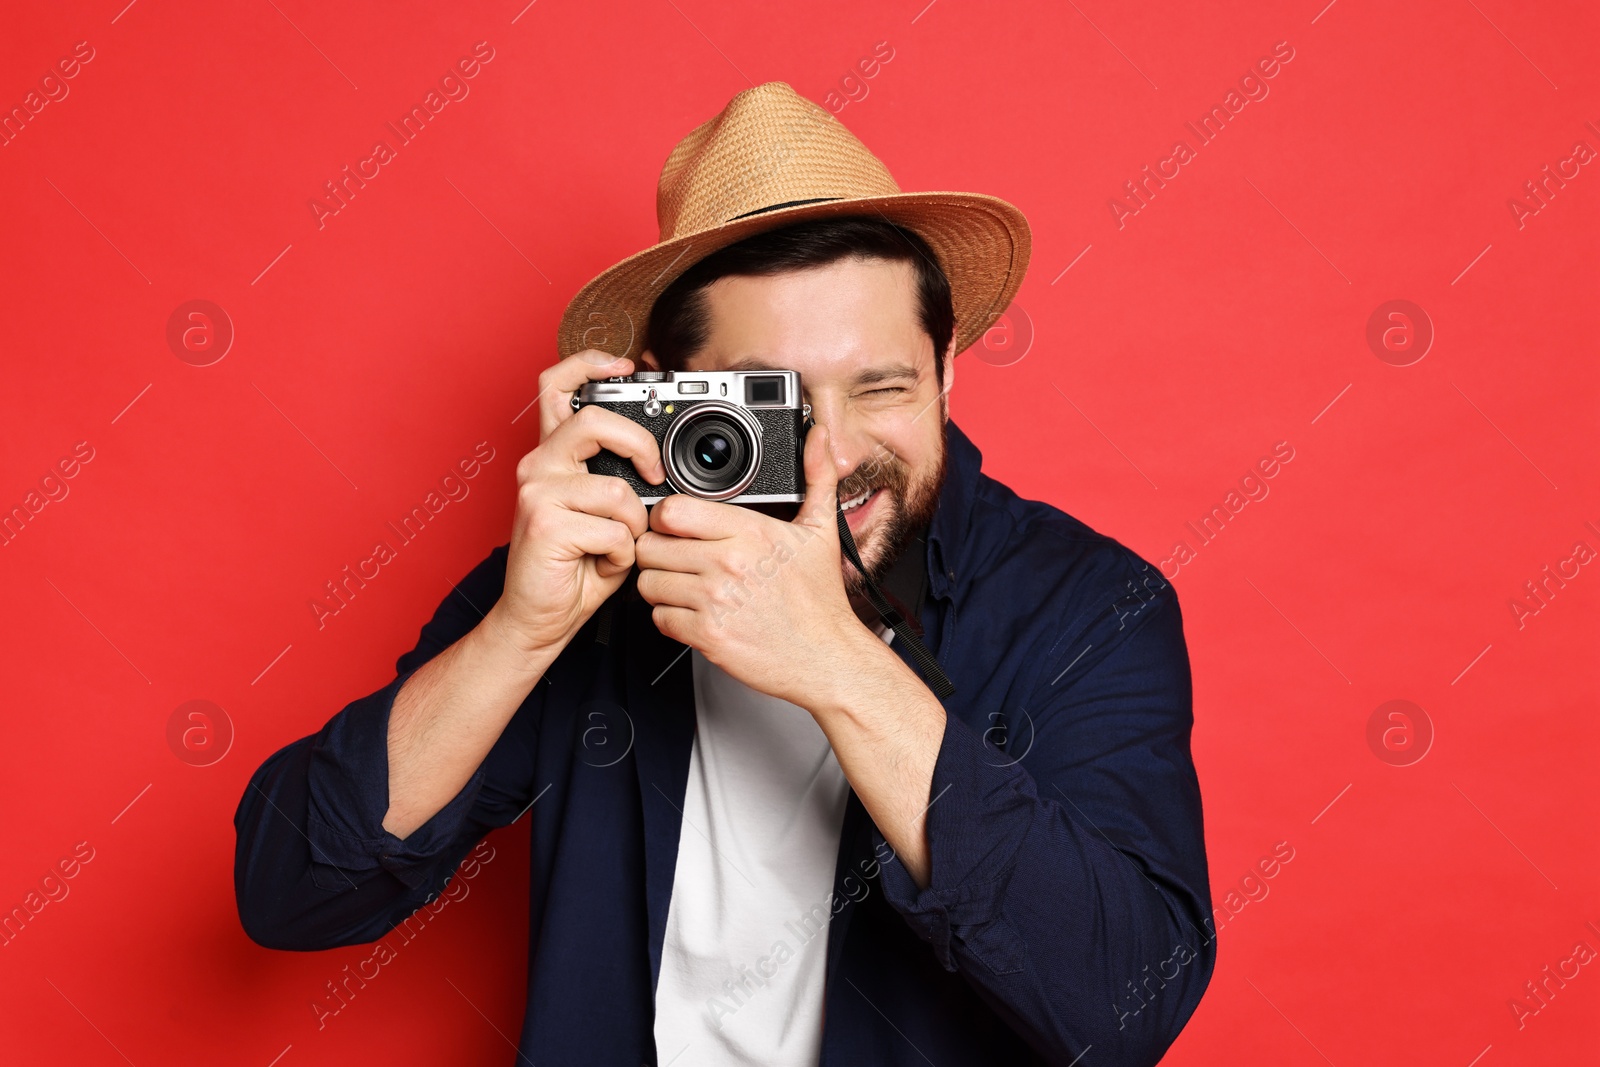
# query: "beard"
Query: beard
907,500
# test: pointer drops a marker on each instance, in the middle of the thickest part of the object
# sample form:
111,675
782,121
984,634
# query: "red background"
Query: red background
1226,316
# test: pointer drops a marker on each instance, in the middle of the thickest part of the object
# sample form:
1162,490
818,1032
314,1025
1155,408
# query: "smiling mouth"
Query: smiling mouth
856,501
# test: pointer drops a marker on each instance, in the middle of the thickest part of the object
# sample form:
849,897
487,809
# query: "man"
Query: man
758,836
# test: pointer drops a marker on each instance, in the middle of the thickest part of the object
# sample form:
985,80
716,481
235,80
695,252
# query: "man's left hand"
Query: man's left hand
761,598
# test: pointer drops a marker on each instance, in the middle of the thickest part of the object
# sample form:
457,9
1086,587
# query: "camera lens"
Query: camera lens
712,455
712,451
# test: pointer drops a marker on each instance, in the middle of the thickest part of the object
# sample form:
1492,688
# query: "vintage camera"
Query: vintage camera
736,436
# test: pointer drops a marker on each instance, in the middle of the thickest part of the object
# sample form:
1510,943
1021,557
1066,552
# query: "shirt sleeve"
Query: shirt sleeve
313,866
1068,875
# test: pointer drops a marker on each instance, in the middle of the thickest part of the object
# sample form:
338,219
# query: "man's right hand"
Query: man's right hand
573,538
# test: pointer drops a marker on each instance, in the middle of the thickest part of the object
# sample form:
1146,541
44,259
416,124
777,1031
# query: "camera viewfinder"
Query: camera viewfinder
763,390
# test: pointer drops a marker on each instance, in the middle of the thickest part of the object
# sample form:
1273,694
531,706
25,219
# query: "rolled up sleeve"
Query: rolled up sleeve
1068,881
347,779
313,866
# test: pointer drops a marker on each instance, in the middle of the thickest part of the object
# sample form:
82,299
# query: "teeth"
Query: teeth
856,501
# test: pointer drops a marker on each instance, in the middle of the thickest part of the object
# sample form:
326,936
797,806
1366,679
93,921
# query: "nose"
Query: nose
847,451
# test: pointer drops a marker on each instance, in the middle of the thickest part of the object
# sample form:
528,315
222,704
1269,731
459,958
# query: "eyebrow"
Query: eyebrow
892,372
870,376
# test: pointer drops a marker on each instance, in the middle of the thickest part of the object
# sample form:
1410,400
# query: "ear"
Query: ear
949,379
648,358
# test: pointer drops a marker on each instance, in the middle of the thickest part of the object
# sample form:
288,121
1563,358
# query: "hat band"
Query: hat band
780,207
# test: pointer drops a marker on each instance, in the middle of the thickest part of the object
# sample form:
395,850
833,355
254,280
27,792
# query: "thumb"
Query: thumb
822,481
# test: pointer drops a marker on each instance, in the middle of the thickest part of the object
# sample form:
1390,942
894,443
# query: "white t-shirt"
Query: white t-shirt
746,945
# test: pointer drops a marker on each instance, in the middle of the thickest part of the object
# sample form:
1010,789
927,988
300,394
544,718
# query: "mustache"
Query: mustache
882,470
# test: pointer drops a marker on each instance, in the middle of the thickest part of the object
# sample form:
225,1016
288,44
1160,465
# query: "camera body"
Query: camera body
735,436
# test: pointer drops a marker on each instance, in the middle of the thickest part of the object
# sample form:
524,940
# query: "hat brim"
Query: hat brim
982,242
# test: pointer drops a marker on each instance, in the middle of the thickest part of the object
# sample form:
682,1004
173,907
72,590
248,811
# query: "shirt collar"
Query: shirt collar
906,584
963,463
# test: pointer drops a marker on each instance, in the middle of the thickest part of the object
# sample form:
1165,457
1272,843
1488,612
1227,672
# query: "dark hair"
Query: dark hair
679,322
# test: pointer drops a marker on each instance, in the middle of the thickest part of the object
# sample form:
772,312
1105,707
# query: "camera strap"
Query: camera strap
932,673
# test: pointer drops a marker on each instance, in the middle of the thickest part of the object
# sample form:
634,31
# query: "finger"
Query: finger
671,588
674,622
665,552
822,481
706,520
557,384
595,427
590,535
605,496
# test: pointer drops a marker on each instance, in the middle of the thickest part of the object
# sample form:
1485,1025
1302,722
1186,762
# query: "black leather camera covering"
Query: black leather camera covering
782,470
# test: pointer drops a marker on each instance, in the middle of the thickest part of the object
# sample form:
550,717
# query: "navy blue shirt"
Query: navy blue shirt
1069,905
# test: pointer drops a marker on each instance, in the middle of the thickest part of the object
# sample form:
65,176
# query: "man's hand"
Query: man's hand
761,598
572,543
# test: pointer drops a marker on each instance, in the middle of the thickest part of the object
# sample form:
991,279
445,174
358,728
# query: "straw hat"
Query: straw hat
773,158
